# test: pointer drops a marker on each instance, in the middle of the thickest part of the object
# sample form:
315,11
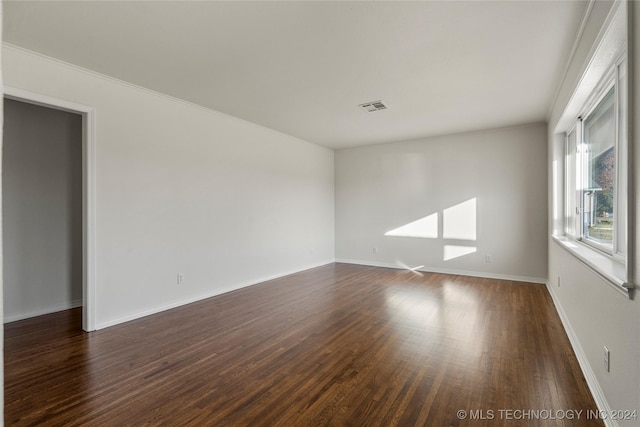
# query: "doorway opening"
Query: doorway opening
48,207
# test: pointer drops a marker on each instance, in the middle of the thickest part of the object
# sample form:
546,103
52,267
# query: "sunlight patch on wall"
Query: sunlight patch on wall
453,251
460,221
426,228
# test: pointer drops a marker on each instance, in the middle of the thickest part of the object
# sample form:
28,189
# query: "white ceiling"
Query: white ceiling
303,67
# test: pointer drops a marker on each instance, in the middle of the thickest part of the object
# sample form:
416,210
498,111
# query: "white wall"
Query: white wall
42,210
595,315
502,171
182,189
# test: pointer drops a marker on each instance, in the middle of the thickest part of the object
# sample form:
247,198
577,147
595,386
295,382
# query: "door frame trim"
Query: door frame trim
88,191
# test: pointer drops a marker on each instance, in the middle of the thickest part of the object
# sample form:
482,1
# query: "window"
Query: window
599,165
595,168
594,162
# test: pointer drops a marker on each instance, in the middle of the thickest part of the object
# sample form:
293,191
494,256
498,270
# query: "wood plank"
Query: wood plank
336,345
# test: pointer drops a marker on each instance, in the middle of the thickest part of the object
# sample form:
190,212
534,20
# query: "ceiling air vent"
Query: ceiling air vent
370,107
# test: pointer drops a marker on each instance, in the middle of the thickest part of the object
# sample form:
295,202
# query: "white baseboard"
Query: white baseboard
219,291
447,271
583,361
42,311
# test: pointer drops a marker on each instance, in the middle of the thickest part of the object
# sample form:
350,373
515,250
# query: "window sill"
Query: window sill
609,269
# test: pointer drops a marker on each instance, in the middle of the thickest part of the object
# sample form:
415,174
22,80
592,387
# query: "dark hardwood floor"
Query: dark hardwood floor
339,345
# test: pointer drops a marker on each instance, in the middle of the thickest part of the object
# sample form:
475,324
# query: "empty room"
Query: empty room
320,213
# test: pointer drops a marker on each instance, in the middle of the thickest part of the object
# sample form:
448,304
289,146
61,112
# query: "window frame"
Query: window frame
571,192
611,79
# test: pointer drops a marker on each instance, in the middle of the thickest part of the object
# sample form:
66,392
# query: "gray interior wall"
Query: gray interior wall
182,189
42,210
485,193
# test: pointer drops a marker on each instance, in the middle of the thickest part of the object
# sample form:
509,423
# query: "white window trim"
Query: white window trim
572,232
607,262
610,269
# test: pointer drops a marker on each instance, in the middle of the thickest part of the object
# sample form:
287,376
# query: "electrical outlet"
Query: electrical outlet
375,250
180,278
558,281
487,258
607,359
